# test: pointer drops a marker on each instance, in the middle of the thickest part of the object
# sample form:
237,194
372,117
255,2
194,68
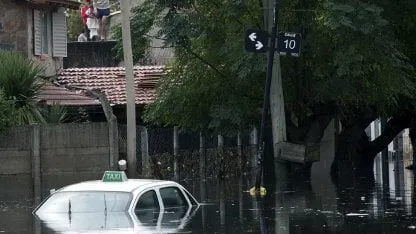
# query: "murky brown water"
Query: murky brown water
228,208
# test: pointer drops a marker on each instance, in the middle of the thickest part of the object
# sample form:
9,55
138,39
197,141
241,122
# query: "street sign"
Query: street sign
256,41
289,43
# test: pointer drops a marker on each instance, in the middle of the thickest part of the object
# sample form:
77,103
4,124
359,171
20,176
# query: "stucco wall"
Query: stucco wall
13,25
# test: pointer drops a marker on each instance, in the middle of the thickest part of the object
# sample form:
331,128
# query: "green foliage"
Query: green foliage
54,114
213,84
142,21
363,62
74,24
7,112
352,61
19,78
20,85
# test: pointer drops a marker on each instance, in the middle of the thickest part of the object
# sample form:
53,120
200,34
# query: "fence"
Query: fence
177,153
74,152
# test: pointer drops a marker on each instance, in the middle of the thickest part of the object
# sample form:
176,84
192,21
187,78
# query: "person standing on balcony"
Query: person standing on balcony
103,11
84,8
93,24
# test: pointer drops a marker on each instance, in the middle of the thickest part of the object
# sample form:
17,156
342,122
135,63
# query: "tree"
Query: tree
211,72
352,67
75,25
141,23
20,84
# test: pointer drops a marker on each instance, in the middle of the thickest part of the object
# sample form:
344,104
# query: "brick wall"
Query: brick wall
14,25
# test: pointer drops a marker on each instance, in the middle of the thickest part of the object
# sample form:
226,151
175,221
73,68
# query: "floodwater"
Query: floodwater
312,207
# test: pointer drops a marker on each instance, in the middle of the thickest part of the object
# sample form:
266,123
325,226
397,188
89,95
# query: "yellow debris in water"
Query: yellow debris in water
262,191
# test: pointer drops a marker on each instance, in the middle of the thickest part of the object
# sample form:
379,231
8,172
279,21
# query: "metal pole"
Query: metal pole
266,102
384,158
131,102
175,153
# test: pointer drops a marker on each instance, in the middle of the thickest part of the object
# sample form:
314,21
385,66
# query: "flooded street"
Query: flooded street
316,207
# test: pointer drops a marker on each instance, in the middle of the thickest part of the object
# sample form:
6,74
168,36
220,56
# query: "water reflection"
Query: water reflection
316,207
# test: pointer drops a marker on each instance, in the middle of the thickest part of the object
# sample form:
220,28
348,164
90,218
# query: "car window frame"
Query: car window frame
131,198
180,189
143,192
137,194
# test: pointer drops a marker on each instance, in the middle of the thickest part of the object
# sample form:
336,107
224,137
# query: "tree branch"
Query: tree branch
393,127
204,61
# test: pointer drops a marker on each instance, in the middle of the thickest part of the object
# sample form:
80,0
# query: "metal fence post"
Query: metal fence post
239,151
201,156
145,152
36,164
175,153
254,147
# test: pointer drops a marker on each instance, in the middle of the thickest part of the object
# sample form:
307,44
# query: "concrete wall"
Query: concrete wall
14,25
91,54
63,148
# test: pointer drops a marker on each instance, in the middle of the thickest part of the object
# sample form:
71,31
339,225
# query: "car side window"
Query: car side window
172,197
148,201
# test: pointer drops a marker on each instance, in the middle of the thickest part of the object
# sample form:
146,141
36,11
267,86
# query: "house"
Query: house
112,82
37,29
79,105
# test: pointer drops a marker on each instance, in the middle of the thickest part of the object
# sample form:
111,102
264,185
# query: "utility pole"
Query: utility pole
131,96
277,104
267,87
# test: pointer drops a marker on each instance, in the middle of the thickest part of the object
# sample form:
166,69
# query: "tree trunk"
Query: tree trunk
350,165
354,157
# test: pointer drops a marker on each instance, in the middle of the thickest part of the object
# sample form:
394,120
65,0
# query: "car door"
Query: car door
176,206
147,208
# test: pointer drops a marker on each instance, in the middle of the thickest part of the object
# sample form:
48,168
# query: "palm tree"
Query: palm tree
20,83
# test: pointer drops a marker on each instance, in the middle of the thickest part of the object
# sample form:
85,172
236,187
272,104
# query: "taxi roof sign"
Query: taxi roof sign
114,176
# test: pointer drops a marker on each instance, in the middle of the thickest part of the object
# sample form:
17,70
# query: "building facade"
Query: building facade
37,29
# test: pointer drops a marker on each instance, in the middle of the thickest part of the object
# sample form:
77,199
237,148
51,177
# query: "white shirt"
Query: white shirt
82,38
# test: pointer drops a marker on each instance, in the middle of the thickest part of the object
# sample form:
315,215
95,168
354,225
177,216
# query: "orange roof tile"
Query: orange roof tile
111,81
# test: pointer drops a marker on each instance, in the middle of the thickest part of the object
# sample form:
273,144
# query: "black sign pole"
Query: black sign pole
266,102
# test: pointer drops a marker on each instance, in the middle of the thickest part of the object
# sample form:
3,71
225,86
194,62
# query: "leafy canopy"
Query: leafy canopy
351,61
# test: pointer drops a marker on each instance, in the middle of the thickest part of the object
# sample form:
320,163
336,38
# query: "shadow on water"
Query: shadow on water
315,206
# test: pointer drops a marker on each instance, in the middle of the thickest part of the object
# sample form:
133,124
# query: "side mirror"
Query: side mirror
122,165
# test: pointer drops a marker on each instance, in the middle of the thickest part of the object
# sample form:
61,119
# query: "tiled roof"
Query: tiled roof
74,4
112,82
52,94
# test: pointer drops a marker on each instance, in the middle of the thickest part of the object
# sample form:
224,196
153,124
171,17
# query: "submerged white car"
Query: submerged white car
117,204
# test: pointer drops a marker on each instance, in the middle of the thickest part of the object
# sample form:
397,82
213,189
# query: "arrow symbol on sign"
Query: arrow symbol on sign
259,45
252,36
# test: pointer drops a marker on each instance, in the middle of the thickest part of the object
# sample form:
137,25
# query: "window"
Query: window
45,32
172,197
49,32
147,208
89,201
148,201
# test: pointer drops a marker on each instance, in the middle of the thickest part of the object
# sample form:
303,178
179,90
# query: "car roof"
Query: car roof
127,186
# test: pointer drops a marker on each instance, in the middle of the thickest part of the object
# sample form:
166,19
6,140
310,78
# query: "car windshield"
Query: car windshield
86,202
